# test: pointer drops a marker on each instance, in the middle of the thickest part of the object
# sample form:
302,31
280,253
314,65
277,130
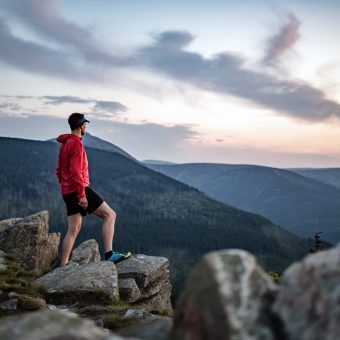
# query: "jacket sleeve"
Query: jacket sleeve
58,173
76,161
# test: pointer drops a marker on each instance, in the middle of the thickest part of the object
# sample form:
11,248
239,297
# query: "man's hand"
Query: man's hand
83,202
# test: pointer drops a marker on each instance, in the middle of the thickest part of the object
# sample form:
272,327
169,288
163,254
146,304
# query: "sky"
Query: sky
251,82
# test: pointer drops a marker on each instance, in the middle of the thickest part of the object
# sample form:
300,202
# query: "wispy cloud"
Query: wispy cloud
225,73
56,100
99,108
280,43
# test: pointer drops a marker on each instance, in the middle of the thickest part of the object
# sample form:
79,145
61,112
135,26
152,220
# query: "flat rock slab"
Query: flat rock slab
51,325
144,282
88,283
143,268
308,301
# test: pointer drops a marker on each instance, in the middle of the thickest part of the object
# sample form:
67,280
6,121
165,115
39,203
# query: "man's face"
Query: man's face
82,129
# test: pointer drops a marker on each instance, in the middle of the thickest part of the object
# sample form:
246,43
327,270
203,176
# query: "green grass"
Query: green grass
115,322
14,278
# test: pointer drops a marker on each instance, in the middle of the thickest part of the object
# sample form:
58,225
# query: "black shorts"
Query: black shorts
73,207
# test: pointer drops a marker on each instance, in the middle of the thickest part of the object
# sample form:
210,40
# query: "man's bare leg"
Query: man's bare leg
109,217
74,225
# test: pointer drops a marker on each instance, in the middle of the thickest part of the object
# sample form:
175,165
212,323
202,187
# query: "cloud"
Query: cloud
45,19
56,100
103,108
225,73
283,40
36,58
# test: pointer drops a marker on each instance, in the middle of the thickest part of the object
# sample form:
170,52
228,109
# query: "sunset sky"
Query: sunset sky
252,82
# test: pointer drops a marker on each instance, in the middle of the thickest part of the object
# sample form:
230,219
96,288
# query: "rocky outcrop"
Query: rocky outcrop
44,325
86,252
226,296
3,262
29,241
144,282
309,297
84,284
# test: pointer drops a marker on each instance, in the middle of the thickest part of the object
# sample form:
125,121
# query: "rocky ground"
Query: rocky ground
227,295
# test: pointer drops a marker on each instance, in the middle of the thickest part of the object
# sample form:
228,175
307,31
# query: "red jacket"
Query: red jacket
72,169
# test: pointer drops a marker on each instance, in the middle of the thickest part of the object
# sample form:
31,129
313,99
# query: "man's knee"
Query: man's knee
74,229
110,214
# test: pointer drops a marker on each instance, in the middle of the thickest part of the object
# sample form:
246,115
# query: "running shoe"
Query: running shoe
117,257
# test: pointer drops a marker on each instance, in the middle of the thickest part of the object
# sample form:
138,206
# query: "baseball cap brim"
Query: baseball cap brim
82,121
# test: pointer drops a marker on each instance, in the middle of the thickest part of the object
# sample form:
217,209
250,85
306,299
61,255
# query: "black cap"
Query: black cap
76,120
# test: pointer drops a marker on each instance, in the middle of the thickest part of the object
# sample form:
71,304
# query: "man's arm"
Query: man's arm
76,161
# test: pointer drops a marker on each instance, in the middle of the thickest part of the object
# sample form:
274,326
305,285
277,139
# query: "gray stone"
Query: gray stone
86,252
28,240
9,305
8,222
51,324
3,261
129,290
151,329
145,283
139,314
226,296
87,283
308,301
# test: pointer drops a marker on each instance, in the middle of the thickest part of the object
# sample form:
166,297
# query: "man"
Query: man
79,197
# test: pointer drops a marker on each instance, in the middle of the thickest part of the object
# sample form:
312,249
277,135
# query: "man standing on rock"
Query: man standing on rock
79,197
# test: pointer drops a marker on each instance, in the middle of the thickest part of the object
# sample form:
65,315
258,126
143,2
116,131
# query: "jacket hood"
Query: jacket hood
64,137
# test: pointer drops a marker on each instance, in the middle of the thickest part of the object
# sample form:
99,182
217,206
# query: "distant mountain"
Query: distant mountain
156,215
297,203
329,176
154,161
98,143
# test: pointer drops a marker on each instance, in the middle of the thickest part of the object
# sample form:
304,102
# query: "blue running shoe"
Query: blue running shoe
117,257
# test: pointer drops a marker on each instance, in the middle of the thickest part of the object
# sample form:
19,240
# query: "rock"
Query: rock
10,221
309,296
144,282
129,290
139,314
226,296
86,252
149,327
9,305
51,324
3,260
28,240
86,284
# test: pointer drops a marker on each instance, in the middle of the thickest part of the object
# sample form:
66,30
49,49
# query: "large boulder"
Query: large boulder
226,296
45,325
84,284
29,241
144,282
308,301
86,252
